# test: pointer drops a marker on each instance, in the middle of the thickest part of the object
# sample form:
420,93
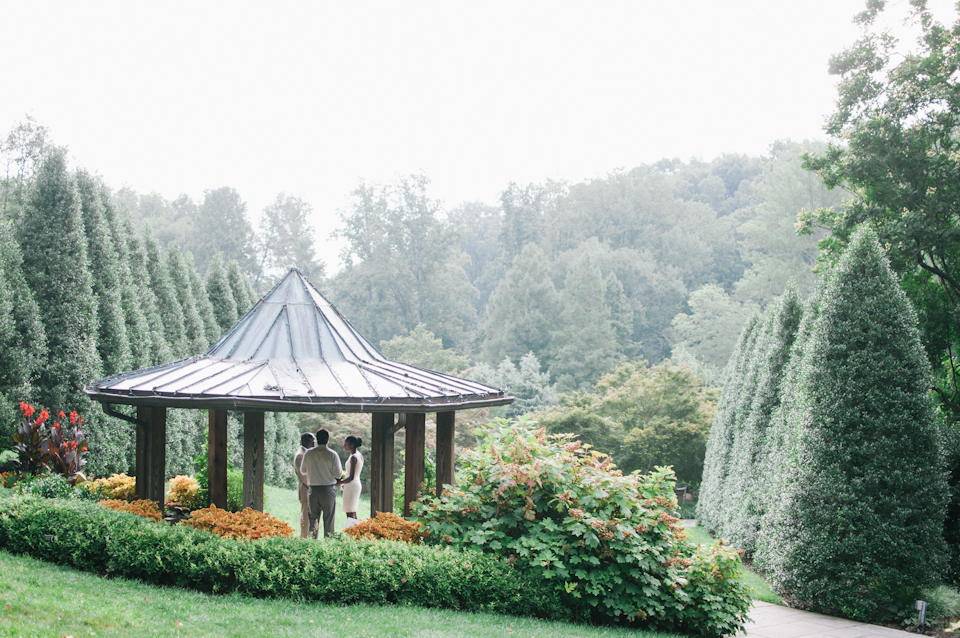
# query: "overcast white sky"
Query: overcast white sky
309,98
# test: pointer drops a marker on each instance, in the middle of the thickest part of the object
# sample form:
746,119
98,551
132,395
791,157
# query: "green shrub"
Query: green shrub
234,490
54,486
399,485
93,538
603,540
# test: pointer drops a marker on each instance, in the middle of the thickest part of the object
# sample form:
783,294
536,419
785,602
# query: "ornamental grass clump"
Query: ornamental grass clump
552,507
387,526
247,524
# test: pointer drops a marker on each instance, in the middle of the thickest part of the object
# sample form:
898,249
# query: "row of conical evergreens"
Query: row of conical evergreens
84,294
823,462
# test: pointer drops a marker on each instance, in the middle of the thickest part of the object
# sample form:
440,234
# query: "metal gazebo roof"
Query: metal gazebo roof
294,351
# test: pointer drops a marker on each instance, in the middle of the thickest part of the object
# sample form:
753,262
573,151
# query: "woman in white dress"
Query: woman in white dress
351,482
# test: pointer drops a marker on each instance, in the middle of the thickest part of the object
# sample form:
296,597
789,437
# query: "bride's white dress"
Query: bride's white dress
351,490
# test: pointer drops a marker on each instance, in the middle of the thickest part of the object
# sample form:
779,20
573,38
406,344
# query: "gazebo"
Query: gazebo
293,352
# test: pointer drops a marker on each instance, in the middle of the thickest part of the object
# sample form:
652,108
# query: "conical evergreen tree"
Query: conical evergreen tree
747,456
220,294
24,352
717,457
739,440
160,349
192,322
864,531
211,328
168,305
779,469
243,295
56,267
132,294
112,343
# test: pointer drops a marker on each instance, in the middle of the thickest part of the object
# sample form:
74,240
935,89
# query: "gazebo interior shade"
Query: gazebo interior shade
294,351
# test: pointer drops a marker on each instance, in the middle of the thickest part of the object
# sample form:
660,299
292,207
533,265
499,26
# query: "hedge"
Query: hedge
92,538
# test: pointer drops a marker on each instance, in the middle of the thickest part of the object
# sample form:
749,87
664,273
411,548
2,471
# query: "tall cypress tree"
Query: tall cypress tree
211,328
134,294
24,353
779,469
56,267
220,294
774,353
22,342
161,351
739,439
168,306
192,322
717,457
113,345
243,295
864,531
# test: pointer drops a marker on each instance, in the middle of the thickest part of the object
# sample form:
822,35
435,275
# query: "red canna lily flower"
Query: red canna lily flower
61,414
73,417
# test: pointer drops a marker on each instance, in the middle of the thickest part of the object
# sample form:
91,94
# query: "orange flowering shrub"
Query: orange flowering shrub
144,508
116,486
247,525
184,492
389,526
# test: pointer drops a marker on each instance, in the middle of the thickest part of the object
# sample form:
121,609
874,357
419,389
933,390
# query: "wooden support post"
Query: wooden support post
381,459
253,460
152,454
414,454
217,458
445,449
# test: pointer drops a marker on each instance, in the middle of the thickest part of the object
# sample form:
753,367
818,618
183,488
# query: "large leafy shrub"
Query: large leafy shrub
93,538
605,541
860,531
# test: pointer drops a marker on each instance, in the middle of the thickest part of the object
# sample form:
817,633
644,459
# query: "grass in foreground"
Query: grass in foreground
759,589
40,599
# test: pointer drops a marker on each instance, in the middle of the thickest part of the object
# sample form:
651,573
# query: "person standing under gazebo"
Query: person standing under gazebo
323,470
306,442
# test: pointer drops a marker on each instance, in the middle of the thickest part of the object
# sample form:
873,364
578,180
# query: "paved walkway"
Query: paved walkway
773,621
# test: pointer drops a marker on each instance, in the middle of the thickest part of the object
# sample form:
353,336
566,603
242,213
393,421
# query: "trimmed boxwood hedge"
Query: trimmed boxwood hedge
92,538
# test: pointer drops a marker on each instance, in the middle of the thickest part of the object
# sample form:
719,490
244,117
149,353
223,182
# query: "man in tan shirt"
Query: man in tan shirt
306,442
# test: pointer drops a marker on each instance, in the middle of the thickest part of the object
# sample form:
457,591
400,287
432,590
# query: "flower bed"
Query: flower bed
247,524
387,526
144,508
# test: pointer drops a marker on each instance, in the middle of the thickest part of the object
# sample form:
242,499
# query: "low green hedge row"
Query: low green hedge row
92,538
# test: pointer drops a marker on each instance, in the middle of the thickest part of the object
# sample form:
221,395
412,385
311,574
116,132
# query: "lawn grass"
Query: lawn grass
284,504
41,599
759,589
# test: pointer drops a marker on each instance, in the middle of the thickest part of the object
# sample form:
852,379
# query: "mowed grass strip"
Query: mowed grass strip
283,504
759,589
40,599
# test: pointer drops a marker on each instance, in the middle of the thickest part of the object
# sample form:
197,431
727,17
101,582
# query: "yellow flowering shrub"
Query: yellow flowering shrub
184,492
116,486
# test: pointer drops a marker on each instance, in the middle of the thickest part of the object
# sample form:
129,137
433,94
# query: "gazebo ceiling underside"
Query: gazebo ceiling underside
294,352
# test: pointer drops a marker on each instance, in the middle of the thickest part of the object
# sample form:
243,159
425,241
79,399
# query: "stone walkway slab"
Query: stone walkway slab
773,621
